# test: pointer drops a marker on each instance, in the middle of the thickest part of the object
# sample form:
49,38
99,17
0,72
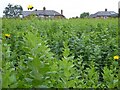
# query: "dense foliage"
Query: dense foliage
84,15
12,11
59,53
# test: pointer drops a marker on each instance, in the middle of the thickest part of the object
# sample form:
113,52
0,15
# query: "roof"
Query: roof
104,13
42,12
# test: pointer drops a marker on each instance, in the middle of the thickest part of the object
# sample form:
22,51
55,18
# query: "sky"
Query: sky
71,8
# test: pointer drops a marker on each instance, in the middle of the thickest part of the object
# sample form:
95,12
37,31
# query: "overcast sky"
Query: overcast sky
71,8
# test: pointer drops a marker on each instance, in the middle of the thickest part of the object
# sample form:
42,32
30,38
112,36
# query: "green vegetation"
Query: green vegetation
0,67
59,53
84,15
12,11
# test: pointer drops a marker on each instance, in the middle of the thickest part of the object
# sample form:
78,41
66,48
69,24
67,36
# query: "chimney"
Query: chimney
61,12
106,9
44,8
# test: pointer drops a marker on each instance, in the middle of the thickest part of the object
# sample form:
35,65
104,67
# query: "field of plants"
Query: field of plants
75,53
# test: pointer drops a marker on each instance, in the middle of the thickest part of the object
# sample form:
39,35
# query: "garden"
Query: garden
74,53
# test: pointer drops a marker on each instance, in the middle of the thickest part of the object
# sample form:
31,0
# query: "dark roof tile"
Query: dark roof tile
104,13
41,12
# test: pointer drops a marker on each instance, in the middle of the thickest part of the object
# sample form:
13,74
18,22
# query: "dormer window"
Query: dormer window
112,12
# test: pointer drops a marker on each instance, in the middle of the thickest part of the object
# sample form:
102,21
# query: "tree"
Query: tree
84,15
12,11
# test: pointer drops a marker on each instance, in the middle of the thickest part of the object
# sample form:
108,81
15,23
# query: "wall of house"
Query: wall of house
31,16
53,17
58,17
44,17
102,17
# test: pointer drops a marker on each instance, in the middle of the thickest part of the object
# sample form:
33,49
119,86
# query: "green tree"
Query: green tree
12,11
84,15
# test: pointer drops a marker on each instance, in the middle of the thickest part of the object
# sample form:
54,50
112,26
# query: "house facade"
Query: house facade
104,14
43,14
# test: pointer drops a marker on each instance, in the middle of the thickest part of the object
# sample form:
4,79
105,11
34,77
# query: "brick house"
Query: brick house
43,13
104,14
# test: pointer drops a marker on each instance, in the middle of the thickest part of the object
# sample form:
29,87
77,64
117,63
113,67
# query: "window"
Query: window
112,12
42,16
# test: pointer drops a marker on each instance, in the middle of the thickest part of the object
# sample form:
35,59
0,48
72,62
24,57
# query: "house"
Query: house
104,14
43,13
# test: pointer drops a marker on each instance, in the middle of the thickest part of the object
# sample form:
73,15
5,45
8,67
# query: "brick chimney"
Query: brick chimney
105,9
61,12
44,8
